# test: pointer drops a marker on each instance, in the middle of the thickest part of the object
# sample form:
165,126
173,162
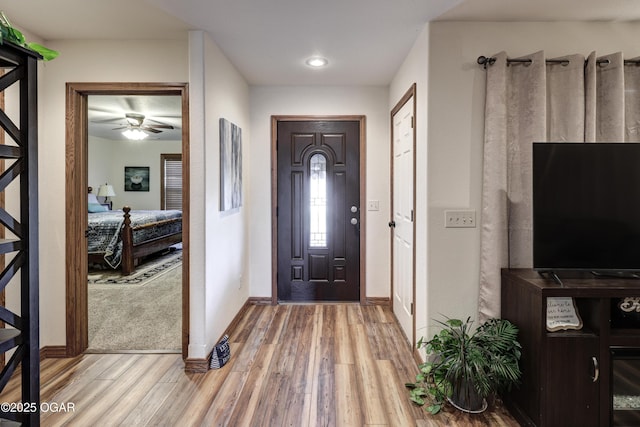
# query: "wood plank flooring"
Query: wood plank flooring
291,365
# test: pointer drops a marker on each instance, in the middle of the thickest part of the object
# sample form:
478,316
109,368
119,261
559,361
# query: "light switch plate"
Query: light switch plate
460,218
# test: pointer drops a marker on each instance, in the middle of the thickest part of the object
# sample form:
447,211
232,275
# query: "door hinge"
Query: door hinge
411,215
412,309
412,122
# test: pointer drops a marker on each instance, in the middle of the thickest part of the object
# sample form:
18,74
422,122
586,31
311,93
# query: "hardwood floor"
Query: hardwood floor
291,365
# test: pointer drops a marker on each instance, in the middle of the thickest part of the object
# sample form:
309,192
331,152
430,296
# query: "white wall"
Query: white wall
82,61
455,134
449,172
415,70
107,160
315,100
219,241
99,159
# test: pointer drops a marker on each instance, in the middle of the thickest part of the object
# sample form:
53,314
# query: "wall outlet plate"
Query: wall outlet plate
460,218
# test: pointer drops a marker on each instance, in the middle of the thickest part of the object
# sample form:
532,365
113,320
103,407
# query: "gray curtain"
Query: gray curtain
570,99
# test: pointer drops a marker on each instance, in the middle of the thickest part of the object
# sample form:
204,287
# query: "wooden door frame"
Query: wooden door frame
274,196
77,94
405,98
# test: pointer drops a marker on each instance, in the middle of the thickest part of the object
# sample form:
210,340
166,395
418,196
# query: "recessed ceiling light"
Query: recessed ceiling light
316,62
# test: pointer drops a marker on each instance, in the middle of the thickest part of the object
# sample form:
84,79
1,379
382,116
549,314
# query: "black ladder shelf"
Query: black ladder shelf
19,170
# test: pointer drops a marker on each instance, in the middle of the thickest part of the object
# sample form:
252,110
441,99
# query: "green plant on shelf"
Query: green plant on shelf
9,34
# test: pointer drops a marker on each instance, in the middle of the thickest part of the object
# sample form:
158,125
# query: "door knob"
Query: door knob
354,209
392,224
354,221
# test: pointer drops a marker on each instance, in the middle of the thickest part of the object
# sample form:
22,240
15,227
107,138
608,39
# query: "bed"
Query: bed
119,238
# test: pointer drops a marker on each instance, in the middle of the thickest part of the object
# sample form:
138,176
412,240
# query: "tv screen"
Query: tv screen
586,206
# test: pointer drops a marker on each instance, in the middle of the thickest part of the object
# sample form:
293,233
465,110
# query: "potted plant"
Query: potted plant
13,35
466,366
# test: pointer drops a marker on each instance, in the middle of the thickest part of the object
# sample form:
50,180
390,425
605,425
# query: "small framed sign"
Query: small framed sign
562,314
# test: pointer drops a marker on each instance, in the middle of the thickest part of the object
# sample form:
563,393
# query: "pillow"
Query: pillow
221,353
97,207
93,199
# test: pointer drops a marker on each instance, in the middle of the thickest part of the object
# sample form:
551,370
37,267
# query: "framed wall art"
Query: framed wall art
136,178
230,166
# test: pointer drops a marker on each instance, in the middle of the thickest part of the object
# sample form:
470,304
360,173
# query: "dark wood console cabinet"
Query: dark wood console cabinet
567,374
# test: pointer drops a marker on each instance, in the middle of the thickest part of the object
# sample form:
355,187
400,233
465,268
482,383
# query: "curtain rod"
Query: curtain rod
485,62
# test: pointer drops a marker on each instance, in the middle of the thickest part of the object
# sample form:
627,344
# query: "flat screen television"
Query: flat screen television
586,207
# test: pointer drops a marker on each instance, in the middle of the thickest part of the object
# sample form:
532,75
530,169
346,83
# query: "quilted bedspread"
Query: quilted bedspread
104,235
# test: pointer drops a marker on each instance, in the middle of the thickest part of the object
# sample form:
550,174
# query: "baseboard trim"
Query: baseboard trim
53,352
196,366
259,301
238,317
378,301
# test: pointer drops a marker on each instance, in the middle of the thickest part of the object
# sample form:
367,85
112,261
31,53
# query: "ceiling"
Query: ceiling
107,115
268,41
544,10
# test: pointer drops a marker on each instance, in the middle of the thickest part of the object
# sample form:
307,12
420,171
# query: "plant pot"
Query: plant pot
465,398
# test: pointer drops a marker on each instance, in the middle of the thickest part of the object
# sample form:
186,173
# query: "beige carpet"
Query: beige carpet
141,315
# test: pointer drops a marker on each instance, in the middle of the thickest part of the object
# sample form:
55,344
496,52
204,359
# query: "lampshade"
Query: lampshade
106,190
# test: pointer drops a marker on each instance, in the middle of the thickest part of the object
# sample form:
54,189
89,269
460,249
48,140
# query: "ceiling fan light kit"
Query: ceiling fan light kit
135,134
137,131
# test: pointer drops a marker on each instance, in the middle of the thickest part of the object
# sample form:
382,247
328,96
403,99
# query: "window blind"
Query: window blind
171,181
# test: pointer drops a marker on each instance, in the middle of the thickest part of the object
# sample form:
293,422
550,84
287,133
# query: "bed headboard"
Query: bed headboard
92,200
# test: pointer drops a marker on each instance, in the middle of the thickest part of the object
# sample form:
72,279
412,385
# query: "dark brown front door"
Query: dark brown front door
318,211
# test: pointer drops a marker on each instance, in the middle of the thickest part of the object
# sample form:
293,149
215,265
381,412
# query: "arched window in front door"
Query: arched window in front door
318,201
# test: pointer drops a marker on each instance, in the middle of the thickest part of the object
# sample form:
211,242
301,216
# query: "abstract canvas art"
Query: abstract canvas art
230,166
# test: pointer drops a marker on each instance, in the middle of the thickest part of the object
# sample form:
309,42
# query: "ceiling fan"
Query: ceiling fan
139,116
137,127
137,121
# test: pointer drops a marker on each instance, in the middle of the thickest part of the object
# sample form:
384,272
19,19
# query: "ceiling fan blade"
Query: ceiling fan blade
156,122
161,123
158,126
168,116
130,102
150,129
121,127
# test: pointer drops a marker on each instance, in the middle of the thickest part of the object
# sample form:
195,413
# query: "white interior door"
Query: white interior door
403,217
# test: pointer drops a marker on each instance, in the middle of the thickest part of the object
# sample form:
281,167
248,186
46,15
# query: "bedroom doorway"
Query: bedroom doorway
139,189
128,138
